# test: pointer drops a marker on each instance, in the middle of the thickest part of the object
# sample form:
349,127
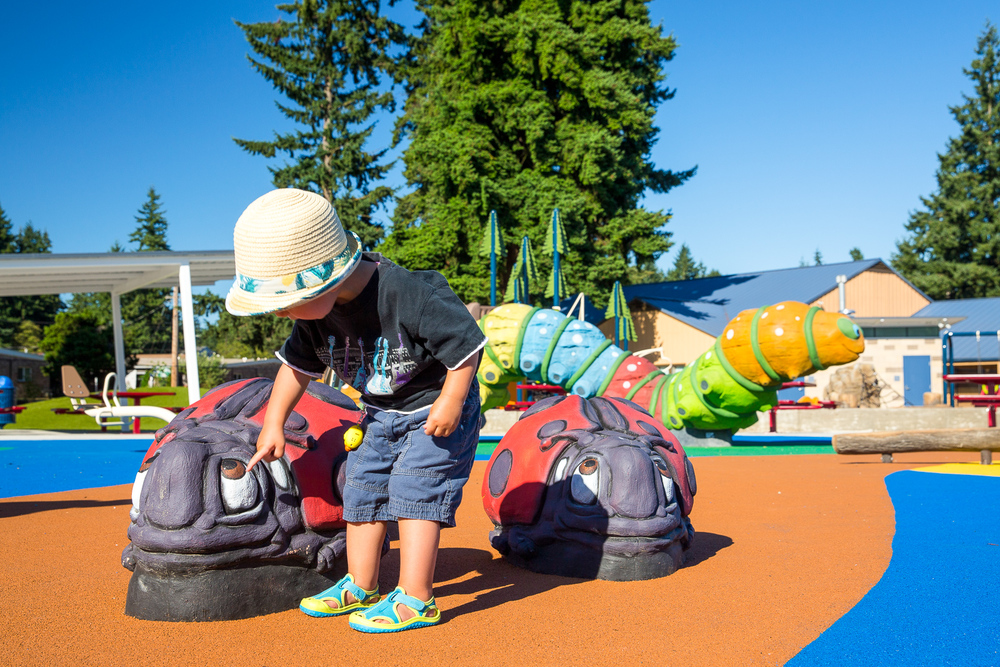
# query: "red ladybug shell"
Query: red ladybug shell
312,464
532,458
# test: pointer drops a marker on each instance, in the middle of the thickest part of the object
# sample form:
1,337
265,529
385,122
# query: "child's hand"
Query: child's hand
444,416
270,446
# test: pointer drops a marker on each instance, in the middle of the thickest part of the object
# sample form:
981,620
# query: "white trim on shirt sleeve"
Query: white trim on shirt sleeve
469,356
296,368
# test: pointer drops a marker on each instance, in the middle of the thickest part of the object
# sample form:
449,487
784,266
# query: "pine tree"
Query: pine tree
145,312
686,268
857,255
330,59
953,250
16,310
6,233
524,108
151,232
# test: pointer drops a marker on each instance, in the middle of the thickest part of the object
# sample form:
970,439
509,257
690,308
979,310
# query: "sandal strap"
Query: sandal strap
346,584
387,607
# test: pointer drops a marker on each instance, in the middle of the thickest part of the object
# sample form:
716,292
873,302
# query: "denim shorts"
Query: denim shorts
400,472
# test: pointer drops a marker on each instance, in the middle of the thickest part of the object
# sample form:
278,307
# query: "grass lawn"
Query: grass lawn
39,415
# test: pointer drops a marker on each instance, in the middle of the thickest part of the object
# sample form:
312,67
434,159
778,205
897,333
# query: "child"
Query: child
408,344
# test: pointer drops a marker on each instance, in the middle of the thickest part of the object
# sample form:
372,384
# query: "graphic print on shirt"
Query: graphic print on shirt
379,372
380,382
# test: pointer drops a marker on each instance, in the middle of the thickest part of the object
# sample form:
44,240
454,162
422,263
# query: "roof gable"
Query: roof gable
709,303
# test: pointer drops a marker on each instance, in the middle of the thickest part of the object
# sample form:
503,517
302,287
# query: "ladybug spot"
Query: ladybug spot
500,472
551,428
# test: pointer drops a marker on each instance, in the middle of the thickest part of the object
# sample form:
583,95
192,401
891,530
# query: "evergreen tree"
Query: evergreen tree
329,59
527,107
686,268
145,312
6,233
856,255
953,250
818,258
16,310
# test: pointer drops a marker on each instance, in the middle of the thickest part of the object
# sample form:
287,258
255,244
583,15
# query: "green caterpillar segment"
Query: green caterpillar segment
811,339
642,383
720,389
587,363
755,345
656,394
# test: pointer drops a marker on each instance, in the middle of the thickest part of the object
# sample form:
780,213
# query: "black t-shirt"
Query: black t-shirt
394,342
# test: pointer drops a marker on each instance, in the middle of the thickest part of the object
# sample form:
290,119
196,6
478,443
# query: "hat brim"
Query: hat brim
241,302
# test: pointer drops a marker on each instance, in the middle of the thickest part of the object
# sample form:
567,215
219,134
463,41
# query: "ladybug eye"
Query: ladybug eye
665,479
239,490
140,478
280,475
585,483
148,462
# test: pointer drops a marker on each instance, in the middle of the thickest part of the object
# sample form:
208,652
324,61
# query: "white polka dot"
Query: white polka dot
796,318
763,315
543,332
615,354
543,316
779,331
708,355
737,319
626,384
781,307
631,367
577,339
729,334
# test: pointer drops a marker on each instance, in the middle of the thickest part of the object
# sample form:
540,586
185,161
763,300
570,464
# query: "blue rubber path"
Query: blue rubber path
937,603
28,467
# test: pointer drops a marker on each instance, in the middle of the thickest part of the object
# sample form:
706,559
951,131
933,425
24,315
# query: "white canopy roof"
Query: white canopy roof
117,273
23,275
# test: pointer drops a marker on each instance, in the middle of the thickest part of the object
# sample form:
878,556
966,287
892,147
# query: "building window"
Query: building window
23,374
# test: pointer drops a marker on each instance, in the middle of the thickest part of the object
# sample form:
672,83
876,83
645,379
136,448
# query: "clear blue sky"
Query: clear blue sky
814,125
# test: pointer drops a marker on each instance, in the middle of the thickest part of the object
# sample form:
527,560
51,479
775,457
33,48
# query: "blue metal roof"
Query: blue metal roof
709,303
980,315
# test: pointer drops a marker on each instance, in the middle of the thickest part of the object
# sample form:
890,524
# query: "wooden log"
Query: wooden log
983,440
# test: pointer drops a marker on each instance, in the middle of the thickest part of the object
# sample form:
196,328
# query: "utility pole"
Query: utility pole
173,339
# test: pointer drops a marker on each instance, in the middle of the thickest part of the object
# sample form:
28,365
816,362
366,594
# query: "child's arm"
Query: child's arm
289,385
447,409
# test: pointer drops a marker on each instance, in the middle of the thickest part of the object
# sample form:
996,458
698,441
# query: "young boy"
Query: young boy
407,343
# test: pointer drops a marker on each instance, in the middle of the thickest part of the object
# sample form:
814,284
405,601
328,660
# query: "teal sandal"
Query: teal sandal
318,607
367,620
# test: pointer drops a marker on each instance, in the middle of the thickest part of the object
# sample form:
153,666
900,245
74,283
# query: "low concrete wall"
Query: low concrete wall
498,421
855,420
846,420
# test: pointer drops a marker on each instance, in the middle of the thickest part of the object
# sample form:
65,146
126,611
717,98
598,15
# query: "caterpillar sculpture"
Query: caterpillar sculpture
723,389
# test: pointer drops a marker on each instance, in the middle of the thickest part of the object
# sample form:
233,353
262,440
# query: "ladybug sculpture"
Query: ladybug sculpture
211,540
592,488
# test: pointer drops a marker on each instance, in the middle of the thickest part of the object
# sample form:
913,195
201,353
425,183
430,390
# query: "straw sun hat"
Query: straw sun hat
290,247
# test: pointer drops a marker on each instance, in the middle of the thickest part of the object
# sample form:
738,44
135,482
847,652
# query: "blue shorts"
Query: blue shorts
400,472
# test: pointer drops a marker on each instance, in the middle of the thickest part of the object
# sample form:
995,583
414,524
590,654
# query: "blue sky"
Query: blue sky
814,125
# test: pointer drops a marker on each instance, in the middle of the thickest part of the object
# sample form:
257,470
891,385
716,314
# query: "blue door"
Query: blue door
916,378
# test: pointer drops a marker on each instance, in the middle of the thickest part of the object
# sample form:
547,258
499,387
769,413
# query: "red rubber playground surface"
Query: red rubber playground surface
786,549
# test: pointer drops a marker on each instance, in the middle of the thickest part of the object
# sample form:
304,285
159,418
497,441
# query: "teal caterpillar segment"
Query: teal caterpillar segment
545,346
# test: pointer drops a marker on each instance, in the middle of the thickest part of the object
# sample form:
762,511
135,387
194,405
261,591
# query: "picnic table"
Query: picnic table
989,382
795,405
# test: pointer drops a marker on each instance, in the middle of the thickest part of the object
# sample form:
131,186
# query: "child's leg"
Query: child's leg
418,549
364,553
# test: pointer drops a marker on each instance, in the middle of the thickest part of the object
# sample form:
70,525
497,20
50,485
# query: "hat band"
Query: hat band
316,276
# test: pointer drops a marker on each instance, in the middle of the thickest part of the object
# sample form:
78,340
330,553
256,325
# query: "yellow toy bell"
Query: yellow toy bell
353,437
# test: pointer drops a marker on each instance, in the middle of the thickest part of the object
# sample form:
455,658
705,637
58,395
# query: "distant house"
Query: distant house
685,317
25,370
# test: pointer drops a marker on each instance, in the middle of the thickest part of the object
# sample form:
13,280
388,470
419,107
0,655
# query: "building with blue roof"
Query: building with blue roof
683,318
971,353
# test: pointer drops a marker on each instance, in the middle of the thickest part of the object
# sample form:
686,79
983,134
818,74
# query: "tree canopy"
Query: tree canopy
686,268
953,247
525,108
330,59
14,310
